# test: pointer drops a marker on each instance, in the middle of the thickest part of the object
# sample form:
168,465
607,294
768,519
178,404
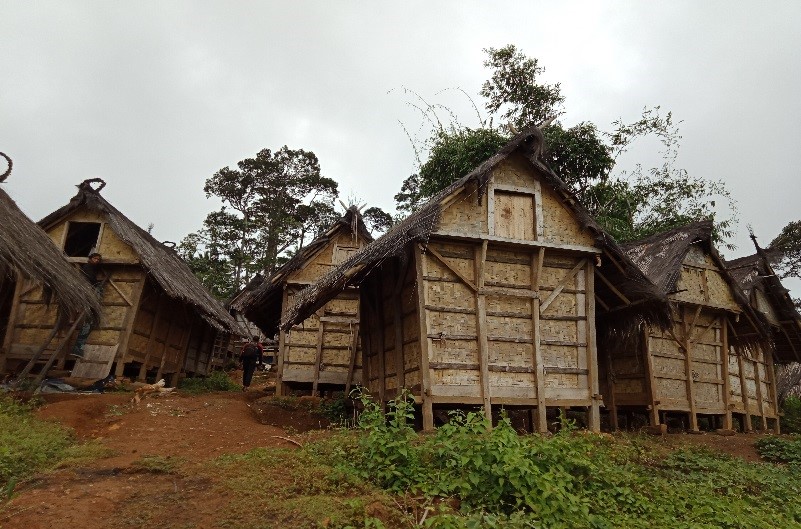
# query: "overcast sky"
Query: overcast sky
155,96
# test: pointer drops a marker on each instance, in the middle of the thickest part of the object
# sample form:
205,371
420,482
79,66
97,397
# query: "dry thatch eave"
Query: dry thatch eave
161,263
418,227
27,251
260,300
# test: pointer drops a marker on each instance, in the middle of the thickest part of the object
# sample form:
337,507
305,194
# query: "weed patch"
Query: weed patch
780,449
216,381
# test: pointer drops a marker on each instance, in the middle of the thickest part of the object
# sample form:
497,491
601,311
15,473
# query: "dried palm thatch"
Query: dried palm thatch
260,300
755,273
661,255
26,251
417,228
159,261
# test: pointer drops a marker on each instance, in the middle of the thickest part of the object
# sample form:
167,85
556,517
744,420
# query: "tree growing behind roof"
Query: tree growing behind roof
629,204
273,204
788,242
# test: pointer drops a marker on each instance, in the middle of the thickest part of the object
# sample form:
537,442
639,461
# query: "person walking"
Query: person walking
252,354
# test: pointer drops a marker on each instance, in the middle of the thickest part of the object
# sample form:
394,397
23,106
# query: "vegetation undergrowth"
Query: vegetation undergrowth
482,477
216,381
781,449
791,420
29,445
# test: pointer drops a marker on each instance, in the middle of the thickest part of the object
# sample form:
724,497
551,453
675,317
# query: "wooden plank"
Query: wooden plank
724,336
96,362
491,206
12,321
771,373
610,384
339,319
354,346
592,350
283,350
152,335
479,258
744,391
515,242
422,318
688,365
318,359
165,352
558,289
128,323
760,401
649,376
613,288
536,264
452,268
381,341
397,323
511,292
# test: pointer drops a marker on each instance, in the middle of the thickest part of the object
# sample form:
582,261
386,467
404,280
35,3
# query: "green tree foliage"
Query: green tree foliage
629,204
513,93
272,204
789,243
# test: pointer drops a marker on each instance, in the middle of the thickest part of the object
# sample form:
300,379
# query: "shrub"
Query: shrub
791,421
216,381
780,449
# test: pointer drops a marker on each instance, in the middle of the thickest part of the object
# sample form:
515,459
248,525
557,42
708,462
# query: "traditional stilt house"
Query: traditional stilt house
156,315
487,295
323,349
54,292
767,295
713,354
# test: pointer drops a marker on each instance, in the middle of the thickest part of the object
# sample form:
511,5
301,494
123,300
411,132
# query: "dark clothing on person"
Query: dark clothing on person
251,355
91,271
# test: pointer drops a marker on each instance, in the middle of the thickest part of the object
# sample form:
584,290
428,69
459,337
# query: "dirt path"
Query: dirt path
187,431
191,429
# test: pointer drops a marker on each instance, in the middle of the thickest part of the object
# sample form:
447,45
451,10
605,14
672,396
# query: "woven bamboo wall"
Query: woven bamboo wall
327,353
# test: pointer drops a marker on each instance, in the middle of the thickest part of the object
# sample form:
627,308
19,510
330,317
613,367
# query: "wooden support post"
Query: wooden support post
688,365
8,339
382,368
397,322
724,338
166,350
650,382
744,390
479,258
760,400
592,351
318,358
201,340
610,383
537,260
770,372
152,336
128,323
428,412
354,346
283,351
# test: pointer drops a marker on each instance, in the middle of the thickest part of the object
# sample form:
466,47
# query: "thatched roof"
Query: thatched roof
27,250
260,300
754,272
652,305
160,262
660,257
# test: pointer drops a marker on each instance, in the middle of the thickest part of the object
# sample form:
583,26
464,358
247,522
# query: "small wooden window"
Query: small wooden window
515,216
342,253
82,238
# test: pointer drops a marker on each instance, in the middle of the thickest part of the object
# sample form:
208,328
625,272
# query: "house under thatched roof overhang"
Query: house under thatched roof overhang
496,278
157,320
323,348
714,360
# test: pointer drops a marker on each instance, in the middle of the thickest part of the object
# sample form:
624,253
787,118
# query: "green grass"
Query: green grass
29,446
216,381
